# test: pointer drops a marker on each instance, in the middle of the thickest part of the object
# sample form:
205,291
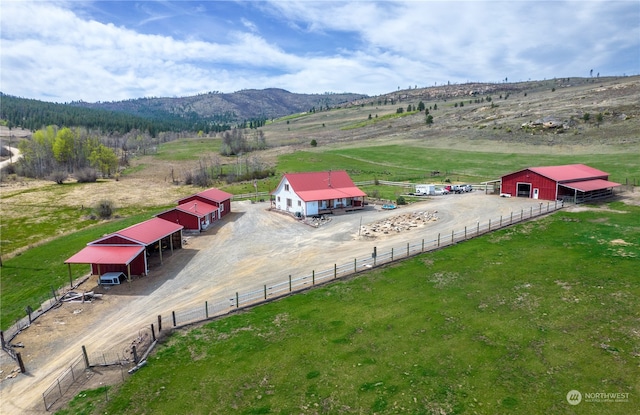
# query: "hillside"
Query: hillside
242,105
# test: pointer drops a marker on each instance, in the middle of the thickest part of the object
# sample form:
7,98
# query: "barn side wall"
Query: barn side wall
546,187
181,218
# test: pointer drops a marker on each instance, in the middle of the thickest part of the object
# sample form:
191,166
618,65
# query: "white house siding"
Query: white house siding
312,208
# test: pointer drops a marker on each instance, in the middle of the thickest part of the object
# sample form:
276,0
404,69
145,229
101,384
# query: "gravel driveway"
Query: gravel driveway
250,247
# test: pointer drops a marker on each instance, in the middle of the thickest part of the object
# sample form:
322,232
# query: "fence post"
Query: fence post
521,214
265,291
153,332
173,315
547,206
355,264
407,248
313,277
206,309
530,212
438,239
511,220
289,282
237,300
135,354
392,254
86,357
53,291
28,311
501,221
451,236
465,232
478,229
335,271
422,249
20,363
159,323
489,225
2,338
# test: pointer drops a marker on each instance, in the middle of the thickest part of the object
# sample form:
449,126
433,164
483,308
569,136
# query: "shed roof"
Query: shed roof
590,185
569,172
101,254
213,194
197,208
324,185
150,231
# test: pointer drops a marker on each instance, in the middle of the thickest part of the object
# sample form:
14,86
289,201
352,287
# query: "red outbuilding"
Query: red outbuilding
193,215
575,183
128,250
214,197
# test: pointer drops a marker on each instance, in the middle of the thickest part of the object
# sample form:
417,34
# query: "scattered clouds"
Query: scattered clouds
102,51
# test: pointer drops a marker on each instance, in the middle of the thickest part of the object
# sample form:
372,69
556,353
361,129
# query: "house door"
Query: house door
535,193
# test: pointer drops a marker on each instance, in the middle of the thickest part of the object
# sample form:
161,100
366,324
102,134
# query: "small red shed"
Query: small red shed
215,197
574,182
193,215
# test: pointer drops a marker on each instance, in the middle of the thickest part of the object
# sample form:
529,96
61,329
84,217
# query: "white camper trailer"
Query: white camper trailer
425,189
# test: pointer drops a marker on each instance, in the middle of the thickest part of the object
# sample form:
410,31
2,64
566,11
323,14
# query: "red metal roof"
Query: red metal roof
569,172
324,185
589,185
101,254
150,231
216,195
197,208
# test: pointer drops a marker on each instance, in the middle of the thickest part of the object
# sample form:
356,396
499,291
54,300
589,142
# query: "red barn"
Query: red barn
574,182
214,197
193,215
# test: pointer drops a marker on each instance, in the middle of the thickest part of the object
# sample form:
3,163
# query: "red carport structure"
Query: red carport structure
128,249
129,259
193,215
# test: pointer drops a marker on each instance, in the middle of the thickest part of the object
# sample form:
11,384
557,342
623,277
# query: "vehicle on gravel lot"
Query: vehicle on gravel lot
112,278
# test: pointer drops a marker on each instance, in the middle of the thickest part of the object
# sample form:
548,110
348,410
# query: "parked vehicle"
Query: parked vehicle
425,189
441,191
111,278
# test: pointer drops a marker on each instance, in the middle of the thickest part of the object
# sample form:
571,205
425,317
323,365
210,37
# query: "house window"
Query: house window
286,187
289,203
299,202
278,198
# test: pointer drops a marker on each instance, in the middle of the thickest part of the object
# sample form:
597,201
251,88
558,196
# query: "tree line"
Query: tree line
33,114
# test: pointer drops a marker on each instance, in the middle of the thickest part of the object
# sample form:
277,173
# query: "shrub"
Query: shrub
314,143
400,200
58,176
86,176
104,209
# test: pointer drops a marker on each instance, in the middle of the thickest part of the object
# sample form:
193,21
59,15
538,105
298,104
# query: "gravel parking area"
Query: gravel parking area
250,247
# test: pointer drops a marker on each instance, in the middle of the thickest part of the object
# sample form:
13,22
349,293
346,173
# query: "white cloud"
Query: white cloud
57,52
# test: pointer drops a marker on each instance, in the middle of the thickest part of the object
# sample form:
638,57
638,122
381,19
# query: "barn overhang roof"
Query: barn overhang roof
196,208
329,194
590,185
106,254
150,231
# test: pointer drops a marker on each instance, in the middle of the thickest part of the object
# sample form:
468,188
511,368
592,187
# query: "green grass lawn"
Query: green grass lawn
27,279
188,149
506,323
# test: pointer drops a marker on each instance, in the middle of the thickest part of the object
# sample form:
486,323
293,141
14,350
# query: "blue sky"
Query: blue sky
70,50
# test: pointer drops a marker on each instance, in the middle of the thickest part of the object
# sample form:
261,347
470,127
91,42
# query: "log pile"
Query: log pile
399,223
84,297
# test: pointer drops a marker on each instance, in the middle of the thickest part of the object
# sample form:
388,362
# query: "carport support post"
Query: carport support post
70,277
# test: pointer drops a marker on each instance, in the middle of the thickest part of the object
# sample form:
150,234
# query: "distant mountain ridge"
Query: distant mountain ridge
237,106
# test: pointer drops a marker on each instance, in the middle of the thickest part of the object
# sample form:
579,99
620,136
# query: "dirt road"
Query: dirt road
250,247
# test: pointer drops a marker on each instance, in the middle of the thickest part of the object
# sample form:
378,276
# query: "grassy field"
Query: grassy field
27,279
506,323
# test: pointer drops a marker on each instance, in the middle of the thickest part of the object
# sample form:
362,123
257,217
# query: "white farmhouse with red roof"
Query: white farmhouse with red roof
315,193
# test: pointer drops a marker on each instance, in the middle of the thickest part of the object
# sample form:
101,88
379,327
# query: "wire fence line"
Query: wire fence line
133,352
380,256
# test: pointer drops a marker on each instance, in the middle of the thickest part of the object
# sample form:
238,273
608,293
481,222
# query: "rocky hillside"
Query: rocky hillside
242,105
